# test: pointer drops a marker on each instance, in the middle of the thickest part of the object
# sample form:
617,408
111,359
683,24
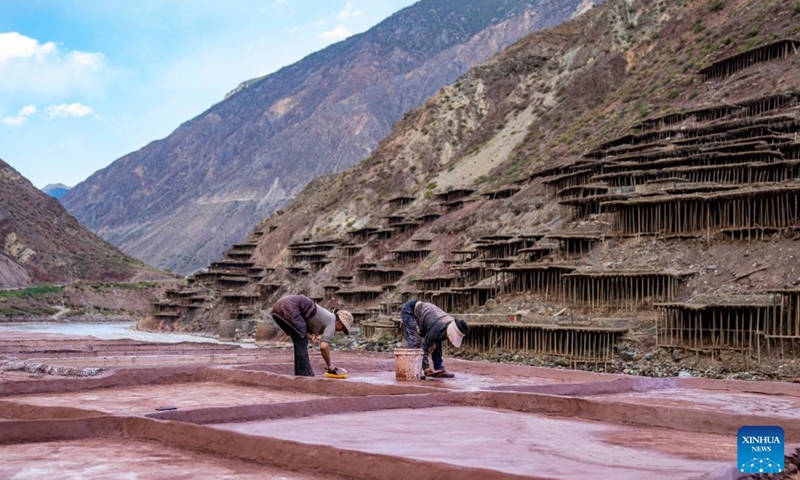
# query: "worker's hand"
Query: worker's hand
430,350
314,338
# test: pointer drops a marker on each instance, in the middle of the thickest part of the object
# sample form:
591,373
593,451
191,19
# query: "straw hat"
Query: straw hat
346,318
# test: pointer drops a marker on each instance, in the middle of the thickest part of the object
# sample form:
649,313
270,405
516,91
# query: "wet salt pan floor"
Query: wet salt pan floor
146,398
117,459
246,404
738,403
462,381
509,442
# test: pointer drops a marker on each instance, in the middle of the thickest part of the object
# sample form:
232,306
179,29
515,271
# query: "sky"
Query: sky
84,82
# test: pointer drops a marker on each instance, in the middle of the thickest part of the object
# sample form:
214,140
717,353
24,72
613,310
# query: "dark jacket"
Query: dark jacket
295,310
432,323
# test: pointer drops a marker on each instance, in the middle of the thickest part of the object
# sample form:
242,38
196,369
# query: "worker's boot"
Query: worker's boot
441,373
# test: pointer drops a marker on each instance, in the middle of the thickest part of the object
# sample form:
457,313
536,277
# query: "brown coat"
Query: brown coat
295,310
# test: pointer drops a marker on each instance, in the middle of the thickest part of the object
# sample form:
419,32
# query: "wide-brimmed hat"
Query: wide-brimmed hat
346,318
456,331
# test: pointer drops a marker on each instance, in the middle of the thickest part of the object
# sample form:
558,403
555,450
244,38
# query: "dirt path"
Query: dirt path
61,311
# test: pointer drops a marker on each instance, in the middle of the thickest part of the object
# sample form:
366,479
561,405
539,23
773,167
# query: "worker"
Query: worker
301,318
426,326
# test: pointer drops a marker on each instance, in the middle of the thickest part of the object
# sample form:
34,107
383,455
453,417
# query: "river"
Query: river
110,331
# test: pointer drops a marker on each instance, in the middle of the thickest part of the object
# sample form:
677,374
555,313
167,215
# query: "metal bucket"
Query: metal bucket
408,363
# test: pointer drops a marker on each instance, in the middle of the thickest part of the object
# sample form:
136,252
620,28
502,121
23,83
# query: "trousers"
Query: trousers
302,364
414,338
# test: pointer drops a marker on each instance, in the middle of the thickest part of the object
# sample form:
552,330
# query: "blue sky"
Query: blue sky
84,82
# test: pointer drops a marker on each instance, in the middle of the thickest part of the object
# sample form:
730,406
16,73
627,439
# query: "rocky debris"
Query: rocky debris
634,359
386,344
627,355
13,364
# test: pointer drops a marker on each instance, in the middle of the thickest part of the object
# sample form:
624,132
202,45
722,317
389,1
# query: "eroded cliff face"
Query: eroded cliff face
180,202
41,242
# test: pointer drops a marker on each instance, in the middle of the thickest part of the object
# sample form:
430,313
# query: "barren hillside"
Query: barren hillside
620,184
44,243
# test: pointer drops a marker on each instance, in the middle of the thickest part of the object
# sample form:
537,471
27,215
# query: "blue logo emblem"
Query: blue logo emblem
760,450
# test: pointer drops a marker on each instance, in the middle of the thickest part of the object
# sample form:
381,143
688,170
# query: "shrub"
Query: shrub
698,26
30,292
716,5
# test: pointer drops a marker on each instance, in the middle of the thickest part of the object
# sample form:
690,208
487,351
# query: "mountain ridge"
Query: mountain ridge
181,200
43,243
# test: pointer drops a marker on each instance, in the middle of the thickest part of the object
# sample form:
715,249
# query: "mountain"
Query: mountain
56,190
626,182
41,242
182,200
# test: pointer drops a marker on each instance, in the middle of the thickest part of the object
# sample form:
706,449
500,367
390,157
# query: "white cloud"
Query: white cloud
278,3
23,114
68,110
14,45
33,67
27,110
349,11
83,59
319,23
13,121
338,33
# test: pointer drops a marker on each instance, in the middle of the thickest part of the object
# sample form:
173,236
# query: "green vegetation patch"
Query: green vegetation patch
26,311
122,285
30,292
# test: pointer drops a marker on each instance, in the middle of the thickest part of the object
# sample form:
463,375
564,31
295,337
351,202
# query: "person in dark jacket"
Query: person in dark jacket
427,326
301,318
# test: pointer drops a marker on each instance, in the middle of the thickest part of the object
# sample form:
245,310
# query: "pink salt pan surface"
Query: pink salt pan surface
462,381
740,403
513,442
377,369
108,459
149,361
144,399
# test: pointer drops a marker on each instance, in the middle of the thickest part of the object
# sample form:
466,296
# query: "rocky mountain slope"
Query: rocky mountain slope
619,192
180,201
41,242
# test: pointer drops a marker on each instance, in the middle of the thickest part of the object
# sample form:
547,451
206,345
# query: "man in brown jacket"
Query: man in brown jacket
300,318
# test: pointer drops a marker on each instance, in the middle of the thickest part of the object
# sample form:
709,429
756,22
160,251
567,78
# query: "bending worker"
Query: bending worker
426,327
300,318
